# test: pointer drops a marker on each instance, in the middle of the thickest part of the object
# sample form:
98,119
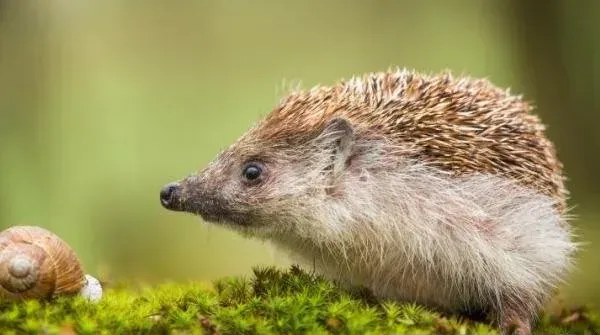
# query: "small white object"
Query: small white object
92,290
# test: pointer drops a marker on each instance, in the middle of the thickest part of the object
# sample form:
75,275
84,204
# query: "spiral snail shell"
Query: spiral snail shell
35,263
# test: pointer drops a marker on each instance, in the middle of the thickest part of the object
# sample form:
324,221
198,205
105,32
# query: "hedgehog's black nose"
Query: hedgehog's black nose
169,196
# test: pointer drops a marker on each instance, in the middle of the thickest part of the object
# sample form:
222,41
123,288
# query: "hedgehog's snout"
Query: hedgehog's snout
170,197
193,195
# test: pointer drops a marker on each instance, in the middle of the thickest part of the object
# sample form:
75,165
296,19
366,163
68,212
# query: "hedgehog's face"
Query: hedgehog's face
254,186
227,191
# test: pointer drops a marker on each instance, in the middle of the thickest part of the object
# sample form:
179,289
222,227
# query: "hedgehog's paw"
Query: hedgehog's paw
514,323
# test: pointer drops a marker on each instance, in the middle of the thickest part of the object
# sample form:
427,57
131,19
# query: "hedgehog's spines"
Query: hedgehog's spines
461,124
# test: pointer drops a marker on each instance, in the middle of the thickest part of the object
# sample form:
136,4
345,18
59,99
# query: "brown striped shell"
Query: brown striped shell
35,263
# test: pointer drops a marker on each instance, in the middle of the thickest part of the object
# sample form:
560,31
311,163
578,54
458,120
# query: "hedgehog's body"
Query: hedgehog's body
429,189
460,125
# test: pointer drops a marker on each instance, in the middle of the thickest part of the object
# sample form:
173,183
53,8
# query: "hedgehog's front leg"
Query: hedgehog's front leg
515,323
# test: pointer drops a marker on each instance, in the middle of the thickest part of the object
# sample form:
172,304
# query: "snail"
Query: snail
35,263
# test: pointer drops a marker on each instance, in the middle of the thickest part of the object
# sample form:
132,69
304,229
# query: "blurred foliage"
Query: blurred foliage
103,102
270,302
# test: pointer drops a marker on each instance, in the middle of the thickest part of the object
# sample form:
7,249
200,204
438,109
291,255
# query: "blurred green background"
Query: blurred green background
103,102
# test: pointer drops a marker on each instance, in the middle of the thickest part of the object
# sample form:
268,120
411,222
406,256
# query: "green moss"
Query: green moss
271,302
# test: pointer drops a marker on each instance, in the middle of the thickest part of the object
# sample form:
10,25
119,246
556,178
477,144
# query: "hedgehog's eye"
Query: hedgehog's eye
252,172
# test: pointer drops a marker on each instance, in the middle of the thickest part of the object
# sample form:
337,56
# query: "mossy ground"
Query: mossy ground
271,302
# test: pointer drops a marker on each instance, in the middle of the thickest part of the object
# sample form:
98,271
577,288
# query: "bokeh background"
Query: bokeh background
103,102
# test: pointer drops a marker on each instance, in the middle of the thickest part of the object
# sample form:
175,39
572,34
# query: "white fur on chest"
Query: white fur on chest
421,235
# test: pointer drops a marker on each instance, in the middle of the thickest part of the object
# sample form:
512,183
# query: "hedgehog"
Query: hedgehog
435,189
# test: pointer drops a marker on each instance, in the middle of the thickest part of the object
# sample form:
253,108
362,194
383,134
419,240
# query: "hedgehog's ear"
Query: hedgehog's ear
338,139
